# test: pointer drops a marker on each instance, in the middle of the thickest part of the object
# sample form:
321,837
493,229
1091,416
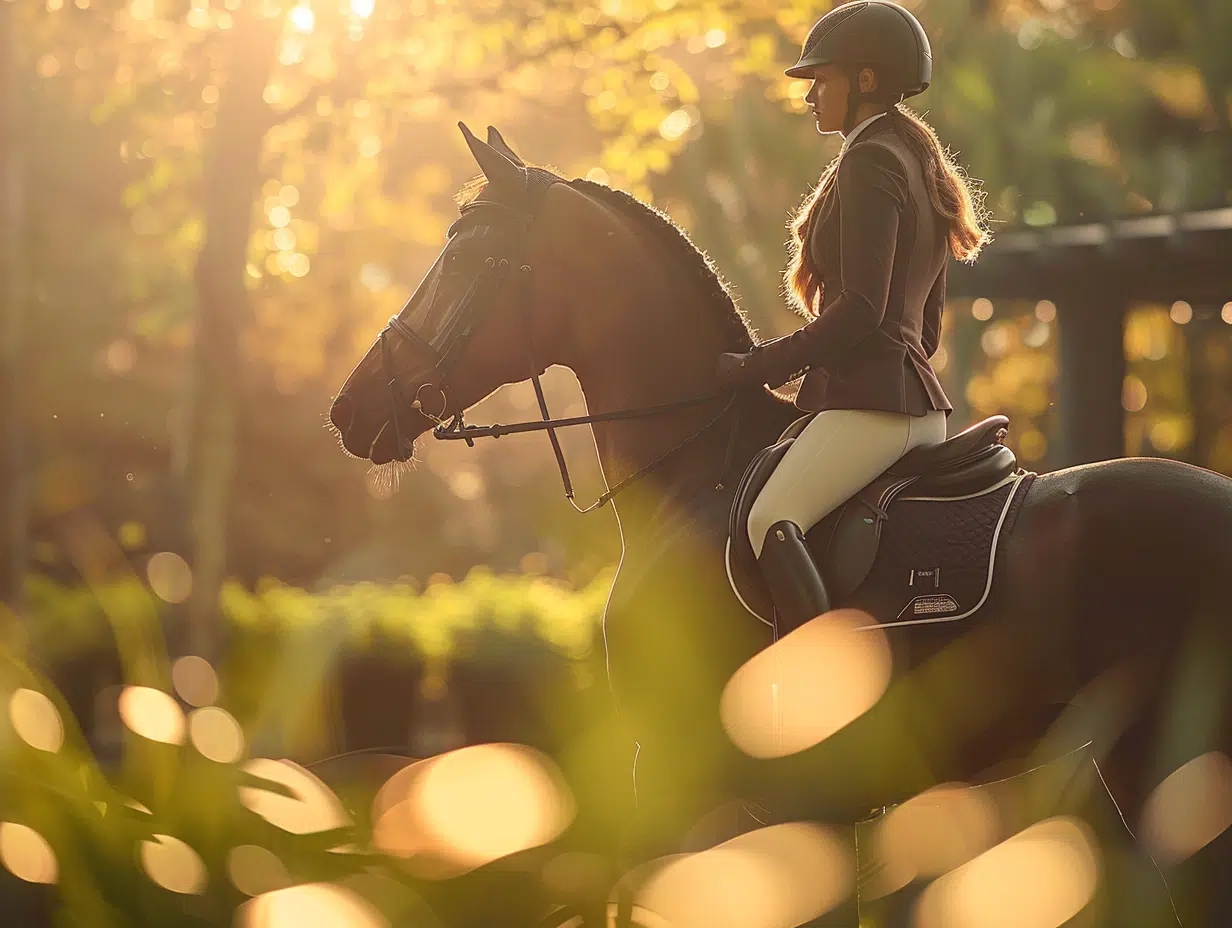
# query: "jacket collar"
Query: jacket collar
851,136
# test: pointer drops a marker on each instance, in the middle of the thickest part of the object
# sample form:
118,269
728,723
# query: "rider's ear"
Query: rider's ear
502,173
868,80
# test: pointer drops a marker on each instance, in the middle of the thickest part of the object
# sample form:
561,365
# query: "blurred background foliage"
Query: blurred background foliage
176,384
209,208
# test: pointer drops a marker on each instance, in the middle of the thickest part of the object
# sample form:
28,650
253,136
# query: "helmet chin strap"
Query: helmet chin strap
857,97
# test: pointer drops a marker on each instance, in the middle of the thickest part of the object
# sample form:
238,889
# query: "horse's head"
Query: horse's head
479,318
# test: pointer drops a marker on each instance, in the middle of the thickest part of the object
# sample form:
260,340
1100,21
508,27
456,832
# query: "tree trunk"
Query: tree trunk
232,181
14,482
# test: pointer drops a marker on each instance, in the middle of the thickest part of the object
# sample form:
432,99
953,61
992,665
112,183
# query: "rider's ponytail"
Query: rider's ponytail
949,190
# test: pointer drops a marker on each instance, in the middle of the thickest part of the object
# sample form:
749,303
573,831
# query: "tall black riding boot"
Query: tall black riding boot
795,583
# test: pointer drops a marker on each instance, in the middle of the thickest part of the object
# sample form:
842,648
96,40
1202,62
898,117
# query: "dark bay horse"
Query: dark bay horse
1112,593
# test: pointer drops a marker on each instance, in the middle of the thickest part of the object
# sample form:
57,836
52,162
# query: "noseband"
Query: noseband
487,283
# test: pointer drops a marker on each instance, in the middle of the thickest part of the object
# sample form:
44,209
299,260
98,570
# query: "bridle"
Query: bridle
464,322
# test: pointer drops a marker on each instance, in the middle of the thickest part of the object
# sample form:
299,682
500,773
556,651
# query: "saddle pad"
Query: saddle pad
934,561
936,557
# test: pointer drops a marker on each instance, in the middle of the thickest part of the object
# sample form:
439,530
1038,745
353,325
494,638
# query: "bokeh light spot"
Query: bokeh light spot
1040,878
471,806
26,854
169,576
254,870
932,833
36,720
152,714
173,865
194,679
774,877
1133,394
1189,809
313,808
808,685
120,356
303,19
216,734
310,905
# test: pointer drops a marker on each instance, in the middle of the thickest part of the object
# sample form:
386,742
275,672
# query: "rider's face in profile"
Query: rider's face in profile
828,94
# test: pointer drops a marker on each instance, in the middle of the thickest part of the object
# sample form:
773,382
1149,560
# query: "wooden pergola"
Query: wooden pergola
1094,273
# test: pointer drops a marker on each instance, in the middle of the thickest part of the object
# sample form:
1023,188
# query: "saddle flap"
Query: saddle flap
852,533
751,483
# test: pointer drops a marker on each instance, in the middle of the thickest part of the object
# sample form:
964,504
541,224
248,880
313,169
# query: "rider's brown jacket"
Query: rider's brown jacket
883,251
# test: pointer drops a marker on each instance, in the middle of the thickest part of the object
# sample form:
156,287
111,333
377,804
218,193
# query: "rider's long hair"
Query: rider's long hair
951,193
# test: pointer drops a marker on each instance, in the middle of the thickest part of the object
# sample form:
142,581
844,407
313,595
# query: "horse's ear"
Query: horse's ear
497,141
502,172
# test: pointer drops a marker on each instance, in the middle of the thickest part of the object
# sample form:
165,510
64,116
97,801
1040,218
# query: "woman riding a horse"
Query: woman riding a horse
869,267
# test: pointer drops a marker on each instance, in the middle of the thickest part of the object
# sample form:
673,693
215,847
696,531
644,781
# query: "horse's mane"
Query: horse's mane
679,245
677,242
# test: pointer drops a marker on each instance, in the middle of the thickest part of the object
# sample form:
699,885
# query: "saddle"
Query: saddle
845,543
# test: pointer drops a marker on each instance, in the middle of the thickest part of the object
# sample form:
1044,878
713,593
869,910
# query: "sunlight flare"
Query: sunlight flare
302,18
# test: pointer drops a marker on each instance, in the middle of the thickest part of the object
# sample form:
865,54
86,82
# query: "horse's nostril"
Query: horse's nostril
342,413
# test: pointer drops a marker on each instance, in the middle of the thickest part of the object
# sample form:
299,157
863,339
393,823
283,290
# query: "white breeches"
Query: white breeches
839,453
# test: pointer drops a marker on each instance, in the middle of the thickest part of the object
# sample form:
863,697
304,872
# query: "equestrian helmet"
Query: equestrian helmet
877,34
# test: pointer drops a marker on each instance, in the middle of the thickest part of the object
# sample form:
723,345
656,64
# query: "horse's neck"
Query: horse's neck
673,368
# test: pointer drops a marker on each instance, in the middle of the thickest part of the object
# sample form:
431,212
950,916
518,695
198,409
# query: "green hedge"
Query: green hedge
433,623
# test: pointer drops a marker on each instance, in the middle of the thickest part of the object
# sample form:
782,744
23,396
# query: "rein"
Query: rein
457,429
